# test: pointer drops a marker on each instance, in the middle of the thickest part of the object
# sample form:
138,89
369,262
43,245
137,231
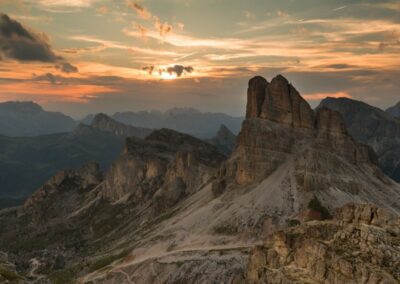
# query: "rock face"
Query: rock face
394,110
374,127
167,163
225,140
277,120
278,101
105,123
65,188
361,245
319,156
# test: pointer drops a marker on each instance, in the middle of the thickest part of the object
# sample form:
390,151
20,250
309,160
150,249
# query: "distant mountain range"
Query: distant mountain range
203,125
26,119
29,119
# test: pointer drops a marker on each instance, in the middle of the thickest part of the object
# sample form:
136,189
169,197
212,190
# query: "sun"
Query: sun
168,76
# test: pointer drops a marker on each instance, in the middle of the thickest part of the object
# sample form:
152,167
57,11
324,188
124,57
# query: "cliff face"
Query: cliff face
279,122
374,127
167,165
320,158
360,245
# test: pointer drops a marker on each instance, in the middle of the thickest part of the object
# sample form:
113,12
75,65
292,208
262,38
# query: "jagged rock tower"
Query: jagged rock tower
299,154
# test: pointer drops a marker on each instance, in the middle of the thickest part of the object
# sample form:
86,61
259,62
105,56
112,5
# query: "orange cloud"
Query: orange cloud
321,96
40,91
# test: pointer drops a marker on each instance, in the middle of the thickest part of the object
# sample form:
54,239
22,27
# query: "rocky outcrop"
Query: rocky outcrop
298,155
105,123
374,127
166,165
280,122
361,245
278,101
62,194
225,140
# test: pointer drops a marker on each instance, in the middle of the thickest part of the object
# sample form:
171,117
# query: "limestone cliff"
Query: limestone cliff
360,245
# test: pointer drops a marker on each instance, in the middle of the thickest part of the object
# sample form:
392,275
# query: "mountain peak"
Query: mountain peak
278,101
103,122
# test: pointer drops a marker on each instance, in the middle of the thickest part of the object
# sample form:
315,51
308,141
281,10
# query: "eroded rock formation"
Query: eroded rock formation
361,245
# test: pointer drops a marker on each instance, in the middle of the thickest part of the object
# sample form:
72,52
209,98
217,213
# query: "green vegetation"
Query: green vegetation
316,205
226,229
107,260
9,275
293,222
62,276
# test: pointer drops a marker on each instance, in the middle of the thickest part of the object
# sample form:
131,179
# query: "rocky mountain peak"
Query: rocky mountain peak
225,140
278,101
299,154
166,164
103,122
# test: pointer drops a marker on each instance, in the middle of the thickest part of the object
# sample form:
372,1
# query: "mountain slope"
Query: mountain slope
173,210
29,119
394,110
360,245
373,127
26,163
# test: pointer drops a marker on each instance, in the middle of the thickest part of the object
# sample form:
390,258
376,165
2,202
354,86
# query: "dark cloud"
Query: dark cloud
175,69
67,67
179,69
17,42
148,69
48,77
340,66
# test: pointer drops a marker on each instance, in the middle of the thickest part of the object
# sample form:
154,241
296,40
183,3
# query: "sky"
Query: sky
89,56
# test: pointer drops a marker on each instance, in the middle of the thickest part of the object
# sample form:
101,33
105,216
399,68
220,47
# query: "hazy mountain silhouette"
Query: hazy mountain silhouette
29,119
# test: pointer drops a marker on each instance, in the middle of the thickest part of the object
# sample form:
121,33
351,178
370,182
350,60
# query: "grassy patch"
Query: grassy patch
107,260
9,275
225,229
62,276
293,222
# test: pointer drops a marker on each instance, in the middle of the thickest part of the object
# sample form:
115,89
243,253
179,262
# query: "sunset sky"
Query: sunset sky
87,56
